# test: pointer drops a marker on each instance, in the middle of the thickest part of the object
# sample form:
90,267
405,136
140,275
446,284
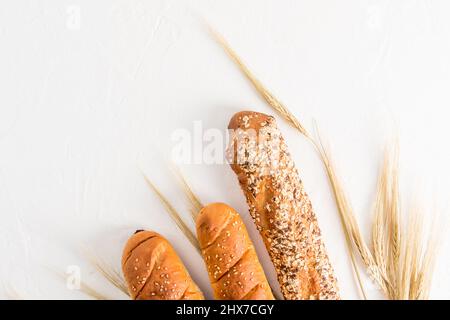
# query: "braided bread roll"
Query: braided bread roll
233,266
280,207
153,270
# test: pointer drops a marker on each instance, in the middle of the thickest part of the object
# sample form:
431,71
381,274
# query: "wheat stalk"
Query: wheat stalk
350,226
174,215
262,90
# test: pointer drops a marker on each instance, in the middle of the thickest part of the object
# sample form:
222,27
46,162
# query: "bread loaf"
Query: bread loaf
153,270
233,266
280,207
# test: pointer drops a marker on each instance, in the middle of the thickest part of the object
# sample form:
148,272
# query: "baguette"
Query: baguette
153,270
280,207
233,266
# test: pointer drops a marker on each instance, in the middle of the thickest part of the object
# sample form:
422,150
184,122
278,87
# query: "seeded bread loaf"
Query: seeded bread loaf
153,270
233,266
280,207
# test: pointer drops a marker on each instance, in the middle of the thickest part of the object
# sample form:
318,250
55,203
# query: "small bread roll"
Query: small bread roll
233,266
153,270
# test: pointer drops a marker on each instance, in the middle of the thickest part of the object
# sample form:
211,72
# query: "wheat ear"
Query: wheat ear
402,248
109,273
351,228
262,90
194,202
176,217
386,236
84,287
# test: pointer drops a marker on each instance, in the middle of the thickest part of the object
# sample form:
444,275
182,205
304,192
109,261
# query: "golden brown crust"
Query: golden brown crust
153,270
280,207
233,266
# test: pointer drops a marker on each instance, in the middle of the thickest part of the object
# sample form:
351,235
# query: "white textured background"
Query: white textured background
90,90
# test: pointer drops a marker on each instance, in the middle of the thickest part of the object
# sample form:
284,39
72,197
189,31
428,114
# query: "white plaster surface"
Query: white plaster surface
91,91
